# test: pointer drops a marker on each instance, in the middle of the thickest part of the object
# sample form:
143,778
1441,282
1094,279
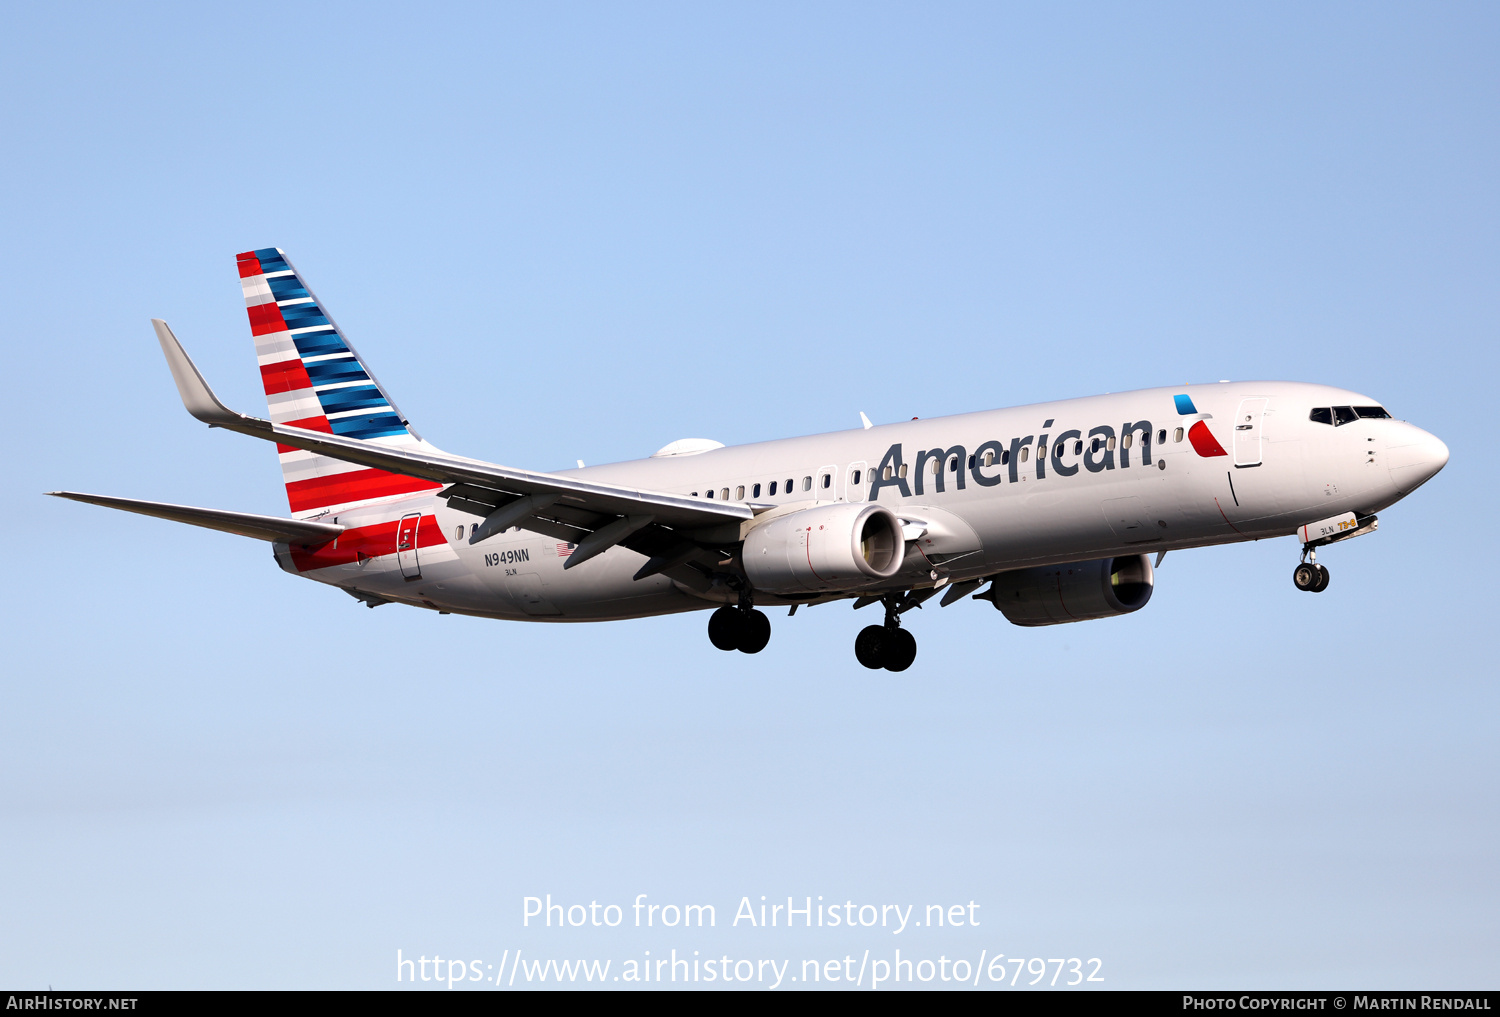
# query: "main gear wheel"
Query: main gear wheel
883,646
734,628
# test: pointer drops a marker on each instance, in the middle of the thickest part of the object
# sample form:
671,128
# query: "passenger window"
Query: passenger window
458,534
989,459
854,478
1094,445
885,474
1161,436
788,487
772,491
1109,443
1177,434
807,483
739,493
1078,448
710,494
1005,457
827,481
1125,441
1025,453
1372,412
695,494
1343,415
937,467
724,493
971,462
1321,415
953,465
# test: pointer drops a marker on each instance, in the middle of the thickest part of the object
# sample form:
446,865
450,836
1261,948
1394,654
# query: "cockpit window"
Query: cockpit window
1343,415
1372,412
1321,415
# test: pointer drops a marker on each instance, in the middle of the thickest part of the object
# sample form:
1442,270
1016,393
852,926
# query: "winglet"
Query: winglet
196,395
865,420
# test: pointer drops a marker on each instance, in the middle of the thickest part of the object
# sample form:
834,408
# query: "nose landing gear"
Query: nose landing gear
886,646
739,628
1309,576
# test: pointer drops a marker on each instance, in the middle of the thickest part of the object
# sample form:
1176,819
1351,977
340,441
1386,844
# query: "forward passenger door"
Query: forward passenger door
1249,422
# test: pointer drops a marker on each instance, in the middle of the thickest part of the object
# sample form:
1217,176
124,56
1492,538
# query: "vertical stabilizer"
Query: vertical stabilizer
314,379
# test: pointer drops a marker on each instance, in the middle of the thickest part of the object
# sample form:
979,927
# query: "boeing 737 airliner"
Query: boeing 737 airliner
1053,509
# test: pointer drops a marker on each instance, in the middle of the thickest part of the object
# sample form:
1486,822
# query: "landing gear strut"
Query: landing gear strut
886,646
739,628
1309,576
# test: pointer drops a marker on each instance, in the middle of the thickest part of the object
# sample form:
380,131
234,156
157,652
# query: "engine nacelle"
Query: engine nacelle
830,547
1082,591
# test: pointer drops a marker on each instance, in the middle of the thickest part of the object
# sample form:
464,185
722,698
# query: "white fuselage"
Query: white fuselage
994,505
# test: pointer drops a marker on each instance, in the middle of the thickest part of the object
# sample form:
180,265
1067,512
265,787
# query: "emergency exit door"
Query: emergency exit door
856,482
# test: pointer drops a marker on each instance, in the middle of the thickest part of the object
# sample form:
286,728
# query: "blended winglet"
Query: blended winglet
196,395
421,461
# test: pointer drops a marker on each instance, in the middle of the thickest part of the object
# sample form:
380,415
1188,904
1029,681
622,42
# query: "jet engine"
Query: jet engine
830,547
1081,591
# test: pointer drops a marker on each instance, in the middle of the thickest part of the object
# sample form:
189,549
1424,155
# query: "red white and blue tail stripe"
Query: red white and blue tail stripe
315,380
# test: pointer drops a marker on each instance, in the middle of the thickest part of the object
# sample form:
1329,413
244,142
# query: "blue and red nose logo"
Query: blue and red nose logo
1204,443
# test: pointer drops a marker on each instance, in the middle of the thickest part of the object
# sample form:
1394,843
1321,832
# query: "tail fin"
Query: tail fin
314,379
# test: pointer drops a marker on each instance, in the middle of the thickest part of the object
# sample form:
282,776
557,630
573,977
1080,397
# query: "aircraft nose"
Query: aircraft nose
1415,457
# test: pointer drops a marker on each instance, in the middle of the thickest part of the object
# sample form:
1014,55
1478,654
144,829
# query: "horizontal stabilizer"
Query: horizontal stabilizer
245,524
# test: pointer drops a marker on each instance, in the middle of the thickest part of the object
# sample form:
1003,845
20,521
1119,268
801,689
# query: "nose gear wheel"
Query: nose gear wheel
1309,576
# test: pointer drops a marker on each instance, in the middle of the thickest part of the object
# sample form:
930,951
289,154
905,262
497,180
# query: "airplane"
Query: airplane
1049,512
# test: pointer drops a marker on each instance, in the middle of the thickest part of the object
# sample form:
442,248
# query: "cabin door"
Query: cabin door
406,545
1249,421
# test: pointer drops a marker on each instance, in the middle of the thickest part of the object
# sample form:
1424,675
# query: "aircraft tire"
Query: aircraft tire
869,647
725,627
1322,583
900,650
1305,577
755,632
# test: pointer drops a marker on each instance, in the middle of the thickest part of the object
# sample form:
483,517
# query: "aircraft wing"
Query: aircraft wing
246,524
597,516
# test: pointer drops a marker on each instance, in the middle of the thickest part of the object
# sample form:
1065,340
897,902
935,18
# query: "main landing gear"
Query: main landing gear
739,628
886,646
1309,576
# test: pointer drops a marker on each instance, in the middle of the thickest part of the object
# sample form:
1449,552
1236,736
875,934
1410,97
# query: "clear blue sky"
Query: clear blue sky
582,231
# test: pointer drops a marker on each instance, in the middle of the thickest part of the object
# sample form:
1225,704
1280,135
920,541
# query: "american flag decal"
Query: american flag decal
563,550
